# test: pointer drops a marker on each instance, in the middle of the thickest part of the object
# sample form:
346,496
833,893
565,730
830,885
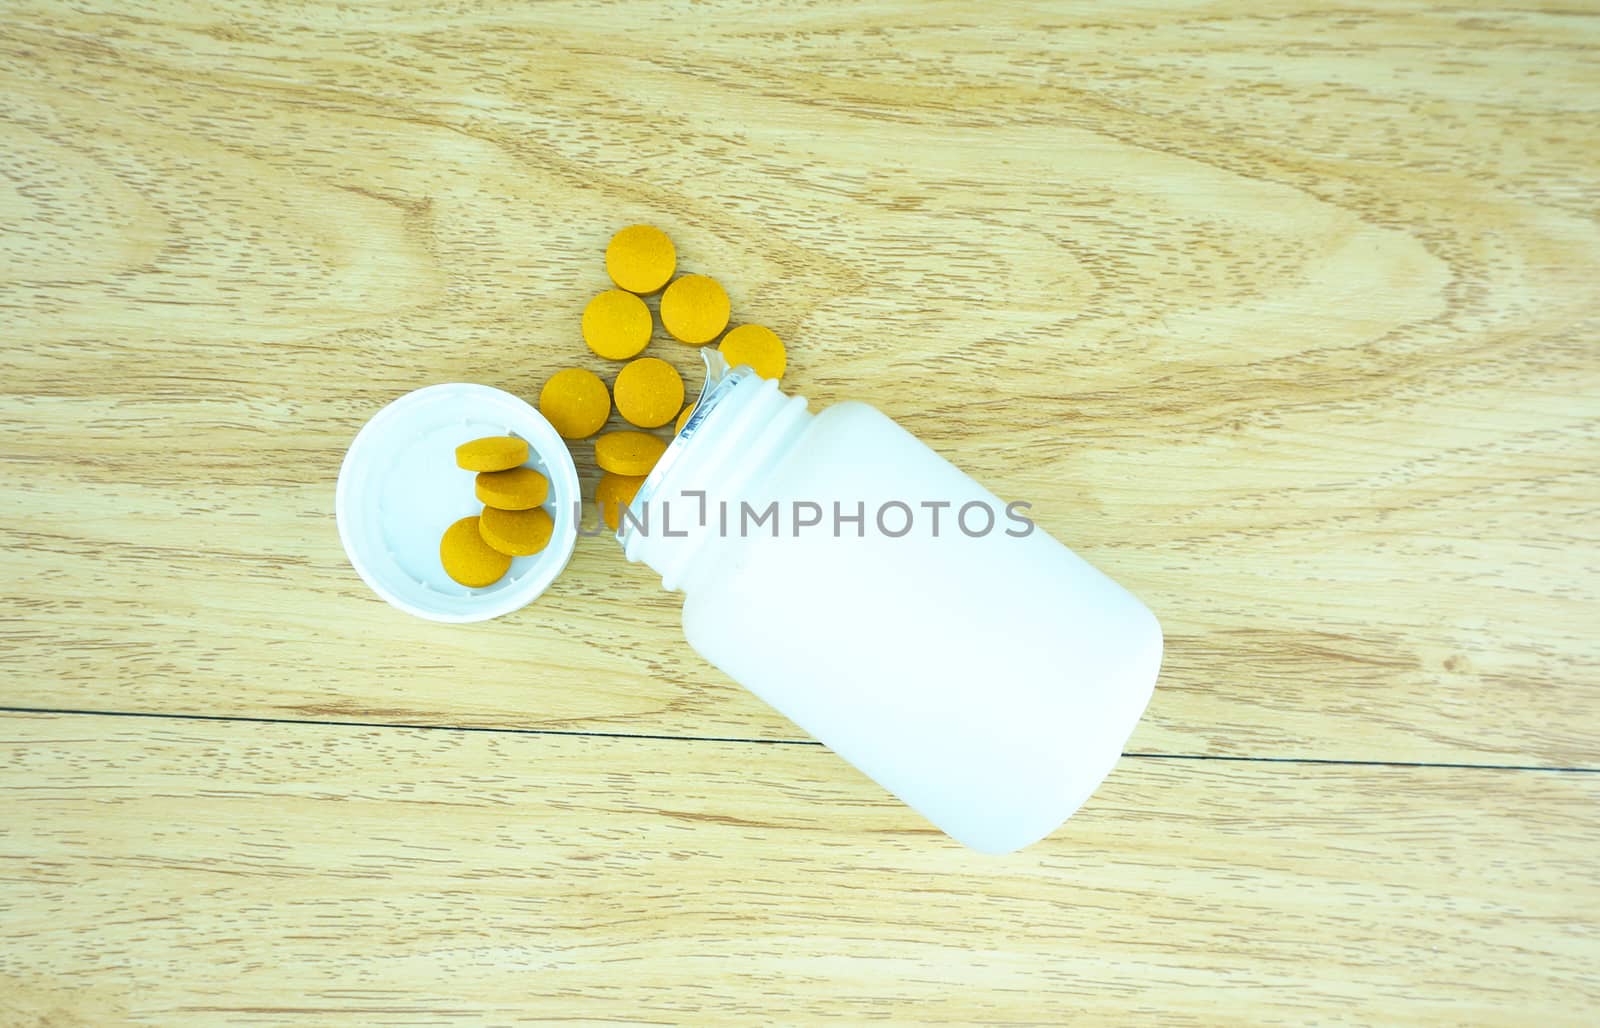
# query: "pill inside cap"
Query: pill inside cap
399,488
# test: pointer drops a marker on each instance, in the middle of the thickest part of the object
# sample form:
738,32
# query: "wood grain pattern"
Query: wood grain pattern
251,874
1286,321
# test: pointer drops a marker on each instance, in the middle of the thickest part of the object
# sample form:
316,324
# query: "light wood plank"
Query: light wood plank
1287,321
177,872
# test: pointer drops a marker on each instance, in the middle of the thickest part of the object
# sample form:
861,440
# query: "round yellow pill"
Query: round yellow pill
695,309
516,489
628,453
614,492
757,346
468,559
493,453
683,419
641,259
616,325
575,402
649,392
516,533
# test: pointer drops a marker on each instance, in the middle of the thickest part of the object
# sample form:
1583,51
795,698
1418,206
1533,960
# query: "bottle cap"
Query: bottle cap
399,489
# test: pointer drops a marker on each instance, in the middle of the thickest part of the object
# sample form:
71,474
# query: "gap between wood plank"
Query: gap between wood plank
766,742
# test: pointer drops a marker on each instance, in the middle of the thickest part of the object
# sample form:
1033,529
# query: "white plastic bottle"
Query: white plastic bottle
977,669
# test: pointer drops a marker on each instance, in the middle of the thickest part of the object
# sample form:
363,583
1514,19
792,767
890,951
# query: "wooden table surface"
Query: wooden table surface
1286,320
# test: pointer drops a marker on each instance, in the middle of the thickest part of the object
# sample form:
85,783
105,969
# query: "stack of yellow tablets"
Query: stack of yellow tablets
477,551
648,392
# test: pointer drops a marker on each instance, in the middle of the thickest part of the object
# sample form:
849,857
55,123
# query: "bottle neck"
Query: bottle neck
740,430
